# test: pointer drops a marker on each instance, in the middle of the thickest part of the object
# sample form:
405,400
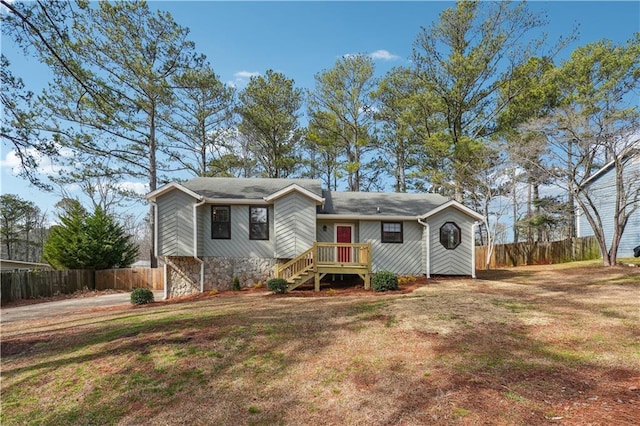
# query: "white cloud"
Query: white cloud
241,77
246,74
45,164
137,187
12,161
384,55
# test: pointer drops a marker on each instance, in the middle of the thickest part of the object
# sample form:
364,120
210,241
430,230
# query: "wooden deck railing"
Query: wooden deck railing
352,257
335,254
296,266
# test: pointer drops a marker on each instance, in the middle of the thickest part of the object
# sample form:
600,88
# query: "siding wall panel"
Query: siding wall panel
239,245
450,262
602,191
322,235
175,224
402,259
294,224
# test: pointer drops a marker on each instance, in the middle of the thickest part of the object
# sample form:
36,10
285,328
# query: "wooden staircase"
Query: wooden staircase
297,271
324,258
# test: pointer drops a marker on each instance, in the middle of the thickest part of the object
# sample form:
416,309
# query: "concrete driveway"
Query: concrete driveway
63,307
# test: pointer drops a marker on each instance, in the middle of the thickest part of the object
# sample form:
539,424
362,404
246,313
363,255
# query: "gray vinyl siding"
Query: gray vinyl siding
402,259
329,235
602,191
295,224
239,245
325,235
458,260
175,224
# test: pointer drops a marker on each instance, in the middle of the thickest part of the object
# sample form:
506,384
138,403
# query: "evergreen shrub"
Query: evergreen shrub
141,296
384,280
277,285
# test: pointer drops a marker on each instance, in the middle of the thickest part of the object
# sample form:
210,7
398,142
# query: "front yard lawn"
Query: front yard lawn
530,345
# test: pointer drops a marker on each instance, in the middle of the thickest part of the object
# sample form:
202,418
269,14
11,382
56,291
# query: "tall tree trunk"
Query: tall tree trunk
515,206
529,214
537,210
153,182
571,232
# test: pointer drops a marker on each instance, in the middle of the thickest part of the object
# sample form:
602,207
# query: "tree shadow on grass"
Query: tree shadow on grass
134,367
227,361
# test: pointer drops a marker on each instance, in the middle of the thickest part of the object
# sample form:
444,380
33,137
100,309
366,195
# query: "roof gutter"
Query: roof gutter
326,216
236,201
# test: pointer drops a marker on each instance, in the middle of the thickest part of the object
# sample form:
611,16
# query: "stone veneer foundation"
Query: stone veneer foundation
183,273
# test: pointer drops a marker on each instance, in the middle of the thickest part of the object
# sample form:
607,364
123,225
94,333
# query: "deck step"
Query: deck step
299,279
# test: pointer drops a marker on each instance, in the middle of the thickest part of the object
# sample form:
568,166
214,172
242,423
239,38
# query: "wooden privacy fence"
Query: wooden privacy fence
518,254
17,285
130,278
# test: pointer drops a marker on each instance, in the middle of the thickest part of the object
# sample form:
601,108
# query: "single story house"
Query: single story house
210,230
601,189
17,265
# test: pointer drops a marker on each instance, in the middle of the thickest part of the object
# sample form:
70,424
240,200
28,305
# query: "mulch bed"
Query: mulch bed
328,288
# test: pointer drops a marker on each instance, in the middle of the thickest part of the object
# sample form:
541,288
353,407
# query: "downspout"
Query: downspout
164,281
428,246
155,249
473,249
195,243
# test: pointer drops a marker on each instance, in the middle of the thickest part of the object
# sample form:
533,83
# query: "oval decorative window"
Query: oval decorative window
450,235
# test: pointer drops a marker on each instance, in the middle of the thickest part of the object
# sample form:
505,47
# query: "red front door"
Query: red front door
343,235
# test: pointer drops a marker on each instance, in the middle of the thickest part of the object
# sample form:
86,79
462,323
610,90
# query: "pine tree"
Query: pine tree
83,241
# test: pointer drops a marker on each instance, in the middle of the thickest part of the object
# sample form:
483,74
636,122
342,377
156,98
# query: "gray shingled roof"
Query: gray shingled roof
254,188
390,203
344,203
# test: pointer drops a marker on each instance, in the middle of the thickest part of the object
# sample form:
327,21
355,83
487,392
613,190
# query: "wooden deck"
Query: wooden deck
327,258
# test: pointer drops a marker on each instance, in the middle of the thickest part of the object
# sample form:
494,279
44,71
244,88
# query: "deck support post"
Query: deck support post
367,277
322,259
316,274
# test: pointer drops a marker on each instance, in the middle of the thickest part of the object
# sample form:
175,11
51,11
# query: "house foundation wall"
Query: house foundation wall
219,271
183,273
183,276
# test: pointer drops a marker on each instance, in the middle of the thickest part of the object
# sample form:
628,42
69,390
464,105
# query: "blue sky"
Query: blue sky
301,39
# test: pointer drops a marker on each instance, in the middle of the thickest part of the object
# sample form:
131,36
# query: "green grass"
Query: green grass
515,397
512,305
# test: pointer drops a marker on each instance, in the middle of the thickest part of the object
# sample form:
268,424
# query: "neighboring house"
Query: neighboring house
17,265
209,230
602,189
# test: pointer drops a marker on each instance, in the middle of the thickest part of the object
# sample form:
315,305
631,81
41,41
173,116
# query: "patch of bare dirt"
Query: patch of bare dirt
354,288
